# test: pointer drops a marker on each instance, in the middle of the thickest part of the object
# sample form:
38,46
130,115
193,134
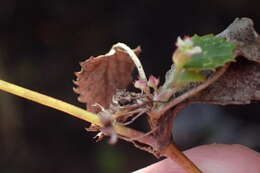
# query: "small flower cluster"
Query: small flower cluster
144,85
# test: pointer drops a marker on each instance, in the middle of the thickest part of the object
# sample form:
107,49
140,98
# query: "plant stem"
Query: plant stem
134,58
71,110
175,154
193,91
126,133
50,102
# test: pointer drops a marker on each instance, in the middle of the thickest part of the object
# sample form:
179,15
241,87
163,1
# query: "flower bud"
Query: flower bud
141,84
153,82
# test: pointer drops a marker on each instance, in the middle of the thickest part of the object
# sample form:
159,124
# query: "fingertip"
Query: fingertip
225,158
213,158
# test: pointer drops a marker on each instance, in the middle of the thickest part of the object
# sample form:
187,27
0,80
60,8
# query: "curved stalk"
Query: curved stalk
134,58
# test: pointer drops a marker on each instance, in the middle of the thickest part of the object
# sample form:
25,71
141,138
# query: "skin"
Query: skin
214,158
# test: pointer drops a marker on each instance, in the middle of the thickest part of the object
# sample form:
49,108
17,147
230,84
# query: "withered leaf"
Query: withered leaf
241,82
101,76
242,32
239,85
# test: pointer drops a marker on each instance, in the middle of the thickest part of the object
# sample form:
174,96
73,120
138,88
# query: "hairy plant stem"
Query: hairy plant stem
124,132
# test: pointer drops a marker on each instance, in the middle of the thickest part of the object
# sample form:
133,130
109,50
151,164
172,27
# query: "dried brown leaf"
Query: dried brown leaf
101,76
242,32
239,85
241,82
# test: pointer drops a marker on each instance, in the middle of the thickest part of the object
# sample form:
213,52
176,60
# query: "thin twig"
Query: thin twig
128,134
131,109
145,134
193,91
140,113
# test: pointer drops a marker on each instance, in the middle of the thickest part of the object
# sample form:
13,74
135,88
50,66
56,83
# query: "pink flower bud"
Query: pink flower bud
141,84
153,82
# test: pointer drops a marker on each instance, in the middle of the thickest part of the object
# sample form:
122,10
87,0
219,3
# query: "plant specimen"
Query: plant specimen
216,69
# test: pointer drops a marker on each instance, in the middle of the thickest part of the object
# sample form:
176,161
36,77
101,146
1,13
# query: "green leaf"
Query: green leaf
187,76
216,52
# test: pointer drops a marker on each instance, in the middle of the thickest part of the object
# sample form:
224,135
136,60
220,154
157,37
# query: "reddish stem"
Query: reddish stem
193,91
175,154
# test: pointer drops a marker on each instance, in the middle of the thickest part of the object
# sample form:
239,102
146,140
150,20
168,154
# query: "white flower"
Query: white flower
187,42
187,46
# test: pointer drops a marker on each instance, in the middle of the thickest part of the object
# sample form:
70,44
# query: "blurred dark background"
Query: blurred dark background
41,43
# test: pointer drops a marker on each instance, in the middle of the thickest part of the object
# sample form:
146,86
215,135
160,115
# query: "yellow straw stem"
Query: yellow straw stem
171,152
67,108
50,102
